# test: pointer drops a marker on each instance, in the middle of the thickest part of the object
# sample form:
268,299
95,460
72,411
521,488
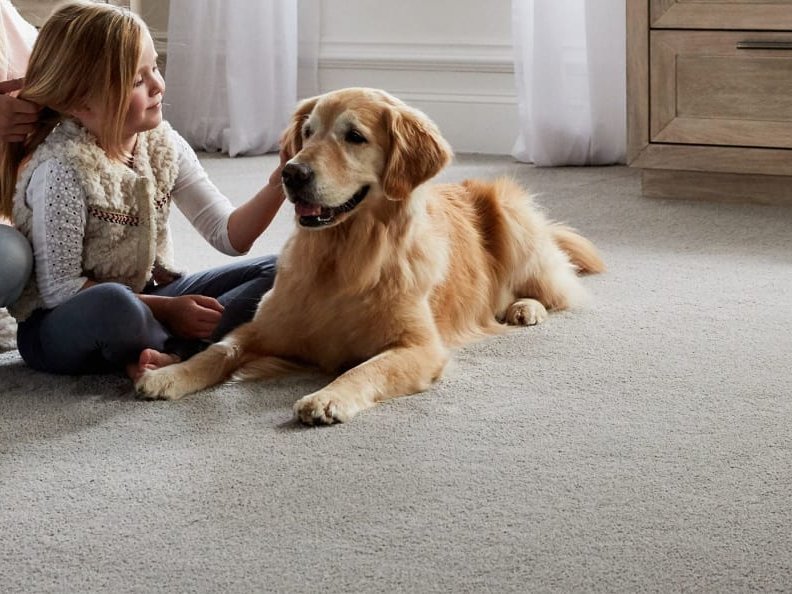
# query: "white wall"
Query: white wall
451,58
155,13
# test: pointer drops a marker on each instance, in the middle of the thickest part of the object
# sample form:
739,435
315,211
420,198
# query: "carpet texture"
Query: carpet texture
642,444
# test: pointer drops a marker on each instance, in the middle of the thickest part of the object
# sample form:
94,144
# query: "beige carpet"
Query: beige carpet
640,445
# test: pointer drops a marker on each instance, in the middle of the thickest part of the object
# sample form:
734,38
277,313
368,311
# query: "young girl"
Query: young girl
92,189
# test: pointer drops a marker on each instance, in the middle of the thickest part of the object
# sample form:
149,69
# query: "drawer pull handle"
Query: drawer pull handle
764,45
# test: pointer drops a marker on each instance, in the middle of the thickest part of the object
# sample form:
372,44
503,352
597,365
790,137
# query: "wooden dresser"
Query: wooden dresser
709,98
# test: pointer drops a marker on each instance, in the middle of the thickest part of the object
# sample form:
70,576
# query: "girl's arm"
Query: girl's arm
249,220
59,213
189,316
228,229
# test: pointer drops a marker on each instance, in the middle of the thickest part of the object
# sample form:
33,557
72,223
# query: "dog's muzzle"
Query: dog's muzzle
298,179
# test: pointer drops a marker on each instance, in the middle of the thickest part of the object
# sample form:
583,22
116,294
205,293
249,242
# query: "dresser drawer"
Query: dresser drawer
705,89
767,15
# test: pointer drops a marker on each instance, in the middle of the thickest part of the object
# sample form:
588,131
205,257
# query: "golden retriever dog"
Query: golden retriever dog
385,273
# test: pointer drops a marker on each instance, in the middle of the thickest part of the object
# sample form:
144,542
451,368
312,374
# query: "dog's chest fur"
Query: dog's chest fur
329,302
338,331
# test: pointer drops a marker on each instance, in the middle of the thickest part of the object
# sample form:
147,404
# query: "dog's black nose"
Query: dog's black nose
297,175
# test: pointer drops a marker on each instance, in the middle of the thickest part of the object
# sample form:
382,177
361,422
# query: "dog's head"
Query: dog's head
354,147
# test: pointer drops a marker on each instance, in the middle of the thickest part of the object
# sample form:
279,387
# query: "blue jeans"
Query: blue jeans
16,263
105,327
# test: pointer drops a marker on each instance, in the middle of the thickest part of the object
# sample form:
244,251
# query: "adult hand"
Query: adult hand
192,316
17,116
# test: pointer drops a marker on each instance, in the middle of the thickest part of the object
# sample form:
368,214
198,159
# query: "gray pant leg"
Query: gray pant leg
239,286
99,330
16,264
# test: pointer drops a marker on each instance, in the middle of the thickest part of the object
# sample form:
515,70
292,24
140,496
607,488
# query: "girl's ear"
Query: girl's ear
291,139
418,152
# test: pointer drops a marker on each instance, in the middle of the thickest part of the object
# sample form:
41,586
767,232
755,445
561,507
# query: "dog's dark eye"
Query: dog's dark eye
355,137
307,132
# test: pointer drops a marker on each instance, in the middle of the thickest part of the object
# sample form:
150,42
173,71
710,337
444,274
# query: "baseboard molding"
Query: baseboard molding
717,187
492,58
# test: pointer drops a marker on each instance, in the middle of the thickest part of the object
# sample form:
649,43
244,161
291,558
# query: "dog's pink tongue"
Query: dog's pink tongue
307,210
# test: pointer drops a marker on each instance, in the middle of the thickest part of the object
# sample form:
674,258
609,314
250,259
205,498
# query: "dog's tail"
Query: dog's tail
580,250
265,367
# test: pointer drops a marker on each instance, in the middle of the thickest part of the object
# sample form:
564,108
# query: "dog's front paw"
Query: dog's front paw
325,408
526,312
159,384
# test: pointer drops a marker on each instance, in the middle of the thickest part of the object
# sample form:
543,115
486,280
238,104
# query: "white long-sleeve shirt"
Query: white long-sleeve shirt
59,215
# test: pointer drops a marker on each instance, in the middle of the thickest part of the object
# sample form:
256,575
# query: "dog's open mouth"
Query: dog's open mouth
314,215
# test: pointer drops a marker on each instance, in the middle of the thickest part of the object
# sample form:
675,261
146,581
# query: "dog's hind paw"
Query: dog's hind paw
526,312
325,409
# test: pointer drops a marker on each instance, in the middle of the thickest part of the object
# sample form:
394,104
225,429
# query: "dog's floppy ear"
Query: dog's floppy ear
291,139
418,152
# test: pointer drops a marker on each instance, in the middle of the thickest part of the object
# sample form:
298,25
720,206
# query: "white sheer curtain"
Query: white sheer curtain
232,72
570,74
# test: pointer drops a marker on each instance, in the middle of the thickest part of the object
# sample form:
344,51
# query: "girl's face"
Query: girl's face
145,104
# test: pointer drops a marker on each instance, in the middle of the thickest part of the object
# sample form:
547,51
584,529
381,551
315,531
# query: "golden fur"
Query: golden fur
380,293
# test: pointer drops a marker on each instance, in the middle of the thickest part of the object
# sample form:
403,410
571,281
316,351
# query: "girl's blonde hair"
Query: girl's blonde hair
85,54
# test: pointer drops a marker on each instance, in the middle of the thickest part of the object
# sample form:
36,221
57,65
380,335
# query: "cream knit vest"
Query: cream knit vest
127,238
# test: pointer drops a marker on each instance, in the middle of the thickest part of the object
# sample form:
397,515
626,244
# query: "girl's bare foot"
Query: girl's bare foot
150,359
